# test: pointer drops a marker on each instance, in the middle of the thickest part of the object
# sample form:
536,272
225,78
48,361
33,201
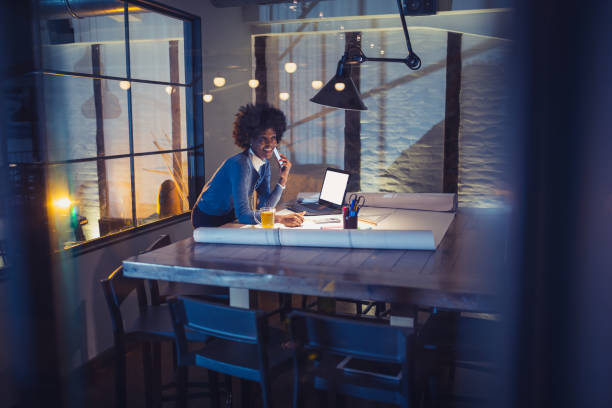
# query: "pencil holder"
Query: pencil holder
349,222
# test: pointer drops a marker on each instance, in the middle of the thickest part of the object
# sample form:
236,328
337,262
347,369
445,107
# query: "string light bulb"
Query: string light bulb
125,85
283,96
339,86
169,90
253,83
219,81
290,67
207,98
316,84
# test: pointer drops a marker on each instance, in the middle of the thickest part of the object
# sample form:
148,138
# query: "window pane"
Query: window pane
157,47
161,186
90,199
90,45
159,117
81,123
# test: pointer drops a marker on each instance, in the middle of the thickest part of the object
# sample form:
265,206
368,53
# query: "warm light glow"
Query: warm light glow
207,98
339,86
316,84
219,81
168,89
290,67
253,83
125,85
62,203
283,96
382,52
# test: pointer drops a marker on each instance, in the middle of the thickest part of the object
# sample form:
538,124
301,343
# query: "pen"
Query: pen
367,221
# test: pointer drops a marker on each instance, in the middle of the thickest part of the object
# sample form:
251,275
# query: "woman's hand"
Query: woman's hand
285,166
290,220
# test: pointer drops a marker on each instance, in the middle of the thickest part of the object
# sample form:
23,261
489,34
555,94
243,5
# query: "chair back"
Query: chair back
351,337
230,323
162,241
118,287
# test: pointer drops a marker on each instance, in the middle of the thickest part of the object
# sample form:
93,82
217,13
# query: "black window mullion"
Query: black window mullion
126,22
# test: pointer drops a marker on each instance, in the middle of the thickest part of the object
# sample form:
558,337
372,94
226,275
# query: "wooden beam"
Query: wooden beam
450,178
352,126
96,67
175,113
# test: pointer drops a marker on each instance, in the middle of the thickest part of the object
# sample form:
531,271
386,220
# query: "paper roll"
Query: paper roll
373,239
443,202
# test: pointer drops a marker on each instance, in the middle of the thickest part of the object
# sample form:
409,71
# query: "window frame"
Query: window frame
194,125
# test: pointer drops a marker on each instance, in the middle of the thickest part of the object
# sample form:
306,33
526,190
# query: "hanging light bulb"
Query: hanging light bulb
169,90
253,83
125,85
207,98
339,86
290,67
283,96
316,84
219,81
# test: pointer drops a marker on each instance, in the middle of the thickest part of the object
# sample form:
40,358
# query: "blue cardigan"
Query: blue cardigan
232,186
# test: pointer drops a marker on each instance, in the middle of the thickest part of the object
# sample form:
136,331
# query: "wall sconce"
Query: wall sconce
341,92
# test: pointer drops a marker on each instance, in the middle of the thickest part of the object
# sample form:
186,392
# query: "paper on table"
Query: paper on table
376,239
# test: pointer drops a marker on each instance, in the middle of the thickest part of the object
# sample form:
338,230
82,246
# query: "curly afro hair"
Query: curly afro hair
252,120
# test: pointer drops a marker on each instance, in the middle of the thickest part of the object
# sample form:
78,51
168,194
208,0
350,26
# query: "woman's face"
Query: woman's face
263,145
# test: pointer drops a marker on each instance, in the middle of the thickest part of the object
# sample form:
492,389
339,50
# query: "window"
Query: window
121,118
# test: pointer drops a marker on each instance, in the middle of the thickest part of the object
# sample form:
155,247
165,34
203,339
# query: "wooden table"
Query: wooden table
460,275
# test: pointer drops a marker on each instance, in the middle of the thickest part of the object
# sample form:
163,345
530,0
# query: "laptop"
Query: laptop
331,196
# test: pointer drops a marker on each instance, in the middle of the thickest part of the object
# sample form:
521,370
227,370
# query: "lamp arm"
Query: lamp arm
401,12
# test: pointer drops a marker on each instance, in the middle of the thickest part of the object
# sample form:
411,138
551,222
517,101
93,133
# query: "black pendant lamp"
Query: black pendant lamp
341,92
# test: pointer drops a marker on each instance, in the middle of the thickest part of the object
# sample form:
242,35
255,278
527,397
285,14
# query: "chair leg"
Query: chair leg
120,377
213,381
157,373
181,386
148,368
228,390
245,397
266,394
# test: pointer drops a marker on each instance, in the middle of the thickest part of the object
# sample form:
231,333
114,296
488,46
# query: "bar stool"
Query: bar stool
351,356
243,345
152,326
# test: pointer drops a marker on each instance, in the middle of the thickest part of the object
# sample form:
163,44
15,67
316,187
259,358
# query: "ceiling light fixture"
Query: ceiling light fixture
341,92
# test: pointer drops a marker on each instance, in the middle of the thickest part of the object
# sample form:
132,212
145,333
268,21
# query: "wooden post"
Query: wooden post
261,92
99,107
352,126
175,113
450,176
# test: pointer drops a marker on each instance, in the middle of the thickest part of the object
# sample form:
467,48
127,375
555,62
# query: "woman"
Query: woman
228,195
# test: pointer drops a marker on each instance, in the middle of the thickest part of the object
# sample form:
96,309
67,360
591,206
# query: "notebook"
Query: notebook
331,196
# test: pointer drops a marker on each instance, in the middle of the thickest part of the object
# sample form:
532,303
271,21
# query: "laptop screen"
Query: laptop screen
334,186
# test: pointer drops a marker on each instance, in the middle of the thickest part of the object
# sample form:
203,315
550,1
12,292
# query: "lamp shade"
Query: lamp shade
340,92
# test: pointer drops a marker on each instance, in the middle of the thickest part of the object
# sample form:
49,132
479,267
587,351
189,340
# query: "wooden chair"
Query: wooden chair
243,345
382,355
152,326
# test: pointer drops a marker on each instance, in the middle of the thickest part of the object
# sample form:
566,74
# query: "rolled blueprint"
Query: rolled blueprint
374,239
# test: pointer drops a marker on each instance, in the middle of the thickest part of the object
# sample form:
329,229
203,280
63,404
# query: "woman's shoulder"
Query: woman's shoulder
239,161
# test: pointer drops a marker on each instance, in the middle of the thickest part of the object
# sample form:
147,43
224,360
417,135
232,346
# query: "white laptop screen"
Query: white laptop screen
334,187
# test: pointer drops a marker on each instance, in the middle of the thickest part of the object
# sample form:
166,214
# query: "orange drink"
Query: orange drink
267,217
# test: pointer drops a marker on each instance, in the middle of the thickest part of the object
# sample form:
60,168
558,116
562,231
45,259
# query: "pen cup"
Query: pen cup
348,221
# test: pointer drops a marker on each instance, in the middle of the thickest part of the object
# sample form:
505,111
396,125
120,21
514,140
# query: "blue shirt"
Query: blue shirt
232,186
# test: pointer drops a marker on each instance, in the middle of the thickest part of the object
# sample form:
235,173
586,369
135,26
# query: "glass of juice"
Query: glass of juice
267,217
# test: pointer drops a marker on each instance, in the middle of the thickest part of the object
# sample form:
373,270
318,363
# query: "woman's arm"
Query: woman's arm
240,178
